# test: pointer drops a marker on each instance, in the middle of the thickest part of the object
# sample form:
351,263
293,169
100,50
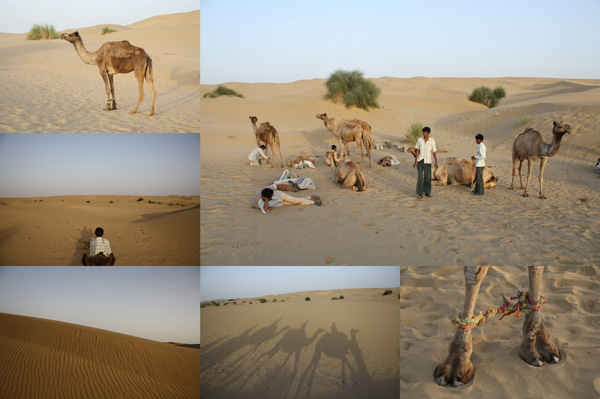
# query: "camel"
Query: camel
347,174
535,349
116,57
268,134
530,145
349,130
98,260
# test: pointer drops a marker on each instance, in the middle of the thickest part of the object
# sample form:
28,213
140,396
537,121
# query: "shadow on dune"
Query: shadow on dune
82,245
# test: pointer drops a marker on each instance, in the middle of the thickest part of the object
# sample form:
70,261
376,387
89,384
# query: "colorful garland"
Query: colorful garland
523,304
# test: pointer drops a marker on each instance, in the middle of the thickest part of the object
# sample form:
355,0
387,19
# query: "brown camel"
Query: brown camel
535,349
347,174
530,145
349,130
116,57
98,260
268,134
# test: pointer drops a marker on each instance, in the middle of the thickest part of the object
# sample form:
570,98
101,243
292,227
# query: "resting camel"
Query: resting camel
530,145
98,260
116,57
535,349
268,134
349,130
347,174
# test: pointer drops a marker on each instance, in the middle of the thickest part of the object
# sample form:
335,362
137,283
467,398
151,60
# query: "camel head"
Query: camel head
253,119
493,180
561,128
71,37
329,122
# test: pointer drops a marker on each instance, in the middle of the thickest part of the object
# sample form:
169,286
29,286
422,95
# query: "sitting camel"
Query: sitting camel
98,260
347,174
535,349
349,131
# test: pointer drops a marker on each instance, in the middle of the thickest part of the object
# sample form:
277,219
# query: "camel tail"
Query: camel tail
149,72
360,182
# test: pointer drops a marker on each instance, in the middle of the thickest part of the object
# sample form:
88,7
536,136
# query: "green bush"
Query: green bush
111,202
39,32
222,91
263,300
352,89
202,305
387,292
250,303
106,30
307,298
341,297
274,300
139,199
487,97
414,132
226,303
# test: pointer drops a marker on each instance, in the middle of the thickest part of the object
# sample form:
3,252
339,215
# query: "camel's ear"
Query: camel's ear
76,33
555,123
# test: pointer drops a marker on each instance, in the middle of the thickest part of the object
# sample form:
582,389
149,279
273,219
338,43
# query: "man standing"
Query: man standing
479,160
257,155
426,150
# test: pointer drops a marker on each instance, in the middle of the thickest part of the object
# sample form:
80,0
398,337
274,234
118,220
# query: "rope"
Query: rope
523,304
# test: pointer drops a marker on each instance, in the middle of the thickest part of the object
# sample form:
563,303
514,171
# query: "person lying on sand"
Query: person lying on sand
257,155
99,245
273,196
336,156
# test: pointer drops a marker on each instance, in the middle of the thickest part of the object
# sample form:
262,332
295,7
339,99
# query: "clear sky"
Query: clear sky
157,303
36,165
285,41
225,282
18,17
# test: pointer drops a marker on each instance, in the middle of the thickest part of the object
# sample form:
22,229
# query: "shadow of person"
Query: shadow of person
211,355
82,245
261,336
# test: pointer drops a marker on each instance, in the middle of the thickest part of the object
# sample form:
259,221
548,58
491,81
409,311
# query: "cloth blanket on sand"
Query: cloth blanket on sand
389,160
301,162
301,183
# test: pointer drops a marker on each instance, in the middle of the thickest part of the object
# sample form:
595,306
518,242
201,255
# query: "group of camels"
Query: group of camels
529,145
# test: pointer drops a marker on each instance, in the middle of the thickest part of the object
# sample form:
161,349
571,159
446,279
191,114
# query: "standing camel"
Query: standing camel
349,130
268,134
530,145
116,57
535,349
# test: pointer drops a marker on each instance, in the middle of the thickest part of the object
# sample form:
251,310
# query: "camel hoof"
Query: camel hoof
542,196
525,195
555,359
457,383
441,381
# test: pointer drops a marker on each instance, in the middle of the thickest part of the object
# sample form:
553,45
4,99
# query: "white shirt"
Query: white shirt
254,155
480,156
99,244
277,199
426,149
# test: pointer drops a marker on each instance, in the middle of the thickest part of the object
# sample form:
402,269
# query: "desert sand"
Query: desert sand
53,359
297,349
387,225
431,296
46,87
56,231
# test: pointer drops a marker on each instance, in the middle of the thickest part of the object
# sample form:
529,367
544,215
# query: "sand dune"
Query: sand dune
56,230
298,349
431,296
51,359
386,225
52,90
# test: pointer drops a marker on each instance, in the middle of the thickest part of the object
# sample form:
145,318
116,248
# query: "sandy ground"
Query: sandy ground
297,349
387,225
431,296
53,359
46,87
56,230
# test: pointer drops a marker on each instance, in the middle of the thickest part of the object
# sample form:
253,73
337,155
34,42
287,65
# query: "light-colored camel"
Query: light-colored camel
349,130
117,57
530,145
535,349
267,134
347,174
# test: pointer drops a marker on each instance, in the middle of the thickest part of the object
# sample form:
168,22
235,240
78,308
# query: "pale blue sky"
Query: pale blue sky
285,41
225,282
19,17
33,165
157,303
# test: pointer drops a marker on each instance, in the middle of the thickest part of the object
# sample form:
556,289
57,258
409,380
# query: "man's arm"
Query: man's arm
416,157
435,157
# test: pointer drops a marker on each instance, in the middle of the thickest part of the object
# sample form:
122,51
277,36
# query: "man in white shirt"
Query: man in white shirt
426,152
99,244
257,155
479,159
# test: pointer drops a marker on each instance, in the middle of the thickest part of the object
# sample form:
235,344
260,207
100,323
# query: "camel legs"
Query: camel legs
150,81
542,167
520,173
529,167
140,79
280,157
536,346
457,369
109,86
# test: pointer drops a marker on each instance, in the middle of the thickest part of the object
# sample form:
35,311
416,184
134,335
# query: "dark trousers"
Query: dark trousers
424,178
479,189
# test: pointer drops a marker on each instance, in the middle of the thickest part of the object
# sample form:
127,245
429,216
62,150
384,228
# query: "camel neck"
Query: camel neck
86,56
555,145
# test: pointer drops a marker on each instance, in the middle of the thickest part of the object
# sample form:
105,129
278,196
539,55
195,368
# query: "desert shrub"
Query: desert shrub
151,202
234,302
226,303
218,304
414,132
111,202
307,298
139,199
352,89
39,32
274,300
262,300
202,305
283,300
341,297
222,91
250,303
334,298
106,30
87,202
487,97
524,120
243,301
387,292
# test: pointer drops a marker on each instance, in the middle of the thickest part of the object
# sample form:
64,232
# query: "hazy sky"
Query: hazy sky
17,17
33,165
285,41
157,303
225,282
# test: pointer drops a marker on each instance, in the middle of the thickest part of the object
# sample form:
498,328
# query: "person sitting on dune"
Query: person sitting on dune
257,155
272,196
99,245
